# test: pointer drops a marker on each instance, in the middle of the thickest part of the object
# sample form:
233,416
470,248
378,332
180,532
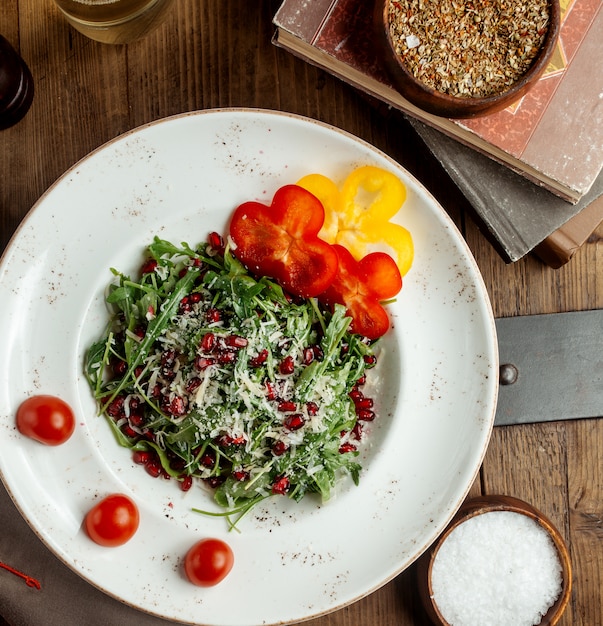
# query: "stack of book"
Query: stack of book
533,172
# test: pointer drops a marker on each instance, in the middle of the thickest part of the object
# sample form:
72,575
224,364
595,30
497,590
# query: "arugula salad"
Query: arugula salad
208,373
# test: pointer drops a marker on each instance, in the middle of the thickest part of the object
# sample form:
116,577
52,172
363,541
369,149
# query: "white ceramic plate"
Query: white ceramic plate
180,178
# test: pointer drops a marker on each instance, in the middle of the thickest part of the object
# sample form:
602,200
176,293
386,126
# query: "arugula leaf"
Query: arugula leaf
216,415
156,326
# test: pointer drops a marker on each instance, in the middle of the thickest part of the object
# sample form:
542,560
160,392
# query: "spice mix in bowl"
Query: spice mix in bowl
465,58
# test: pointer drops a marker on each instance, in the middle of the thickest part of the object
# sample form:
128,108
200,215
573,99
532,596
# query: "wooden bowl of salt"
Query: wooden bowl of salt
500,561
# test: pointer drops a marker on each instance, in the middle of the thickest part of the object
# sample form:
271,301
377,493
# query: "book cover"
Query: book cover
520,217
552,136
560,246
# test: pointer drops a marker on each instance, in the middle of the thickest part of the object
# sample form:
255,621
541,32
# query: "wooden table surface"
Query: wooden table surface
218,53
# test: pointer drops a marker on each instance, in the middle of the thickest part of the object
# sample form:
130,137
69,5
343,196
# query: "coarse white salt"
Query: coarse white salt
412,41
497,568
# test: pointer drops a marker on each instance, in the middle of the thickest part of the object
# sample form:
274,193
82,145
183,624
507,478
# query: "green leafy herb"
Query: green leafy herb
207,372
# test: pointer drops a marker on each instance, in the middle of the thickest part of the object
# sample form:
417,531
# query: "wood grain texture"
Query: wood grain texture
218,53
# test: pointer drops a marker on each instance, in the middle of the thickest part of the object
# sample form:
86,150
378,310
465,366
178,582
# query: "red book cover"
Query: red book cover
553,135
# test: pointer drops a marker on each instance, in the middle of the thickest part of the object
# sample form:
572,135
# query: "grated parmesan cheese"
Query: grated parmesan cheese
260,382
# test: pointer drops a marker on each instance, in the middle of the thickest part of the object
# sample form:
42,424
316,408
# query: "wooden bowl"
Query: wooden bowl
451,106
487,504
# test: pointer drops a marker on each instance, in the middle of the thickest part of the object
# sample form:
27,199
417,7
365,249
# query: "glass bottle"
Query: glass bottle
16,86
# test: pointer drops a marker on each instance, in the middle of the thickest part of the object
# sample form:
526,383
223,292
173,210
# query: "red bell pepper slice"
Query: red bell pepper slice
281,241
361,286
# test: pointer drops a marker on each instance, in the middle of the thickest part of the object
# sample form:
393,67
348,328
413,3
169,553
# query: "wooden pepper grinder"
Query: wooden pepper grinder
16,86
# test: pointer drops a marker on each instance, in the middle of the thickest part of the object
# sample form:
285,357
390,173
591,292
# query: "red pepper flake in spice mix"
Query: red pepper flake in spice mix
468,48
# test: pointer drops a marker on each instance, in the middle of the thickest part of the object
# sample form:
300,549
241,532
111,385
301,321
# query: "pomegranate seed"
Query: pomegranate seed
227,440
208,342
365,415
119,367
308,356
168,373
270,390
287,366
362,380
215,481
140,332
312,408
208,459
364,403
185,305
154,468
128,431
186,482
195,297
370,360
240,475
285,406
234,341
213,315
227,357
294,421
279,448
347,447
178,464
357,431
318,353
280,486
216,241
116,407
260,359
193,384
134,403
141,457
202,362
176,406
356,395
136,419
148,266
168,358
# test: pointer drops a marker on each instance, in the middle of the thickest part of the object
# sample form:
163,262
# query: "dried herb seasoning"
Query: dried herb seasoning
468,48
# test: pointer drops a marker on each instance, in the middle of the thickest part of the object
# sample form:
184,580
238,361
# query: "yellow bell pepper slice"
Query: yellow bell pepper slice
327,192
358,215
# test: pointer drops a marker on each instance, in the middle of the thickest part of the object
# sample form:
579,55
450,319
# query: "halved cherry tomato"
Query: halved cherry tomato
208,562
281,241
361,286
46,419
113,521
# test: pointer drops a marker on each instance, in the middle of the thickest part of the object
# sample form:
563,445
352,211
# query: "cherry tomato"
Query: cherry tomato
46,419
208,562
113,521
